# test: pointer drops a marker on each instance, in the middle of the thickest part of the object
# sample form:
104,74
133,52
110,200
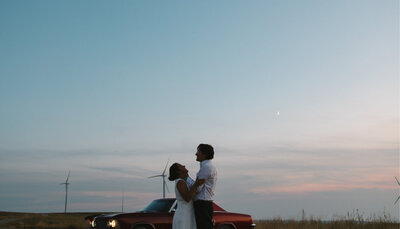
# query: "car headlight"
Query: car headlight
112,223
92,223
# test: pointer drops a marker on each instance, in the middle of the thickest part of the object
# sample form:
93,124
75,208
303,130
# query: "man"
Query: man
203,200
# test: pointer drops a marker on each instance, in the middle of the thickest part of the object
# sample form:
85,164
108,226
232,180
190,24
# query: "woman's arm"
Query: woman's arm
187,194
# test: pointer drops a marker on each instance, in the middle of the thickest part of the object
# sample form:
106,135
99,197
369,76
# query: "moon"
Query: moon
278,113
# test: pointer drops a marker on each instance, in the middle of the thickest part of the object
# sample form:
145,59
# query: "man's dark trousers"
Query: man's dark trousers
204,211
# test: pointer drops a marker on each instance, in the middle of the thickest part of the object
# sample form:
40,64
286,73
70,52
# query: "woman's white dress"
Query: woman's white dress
184,215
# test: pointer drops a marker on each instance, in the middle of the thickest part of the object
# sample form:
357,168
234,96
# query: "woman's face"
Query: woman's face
182,171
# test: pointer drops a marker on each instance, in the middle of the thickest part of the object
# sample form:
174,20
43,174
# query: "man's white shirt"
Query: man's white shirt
209,173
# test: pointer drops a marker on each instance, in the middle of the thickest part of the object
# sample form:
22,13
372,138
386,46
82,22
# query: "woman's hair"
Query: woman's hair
207,150
173,172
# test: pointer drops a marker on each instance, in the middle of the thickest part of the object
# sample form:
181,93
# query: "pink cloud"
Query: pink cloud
317,187
363,178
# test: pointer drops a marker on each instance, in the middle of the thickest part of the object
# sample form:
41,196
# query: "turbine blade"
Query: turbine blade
165,167
167,188
397,180
67,177
155,176
396,200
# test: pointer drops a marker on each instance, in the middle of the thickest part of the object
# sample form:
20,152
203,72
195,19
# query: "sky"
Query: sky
300,100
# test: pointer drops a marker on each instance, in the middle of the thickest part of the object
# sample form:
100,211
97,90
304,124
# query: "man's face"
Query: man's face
200,156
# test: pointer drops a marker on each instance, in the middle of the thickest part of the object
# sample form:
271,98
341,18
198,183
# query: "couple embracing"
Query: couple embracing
195,206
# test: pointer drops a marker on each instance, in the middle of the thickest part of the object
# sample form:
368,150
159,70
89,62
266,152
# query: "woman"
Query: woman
184,214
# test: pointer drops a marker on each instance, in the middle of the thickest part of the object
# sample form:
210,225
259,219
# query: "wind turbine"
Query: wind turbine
399,185
66,191
163,176
122,204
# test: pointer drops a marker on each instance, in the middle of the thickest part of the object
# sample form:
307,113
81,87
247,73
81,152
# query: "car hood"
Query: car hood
128,215
108,215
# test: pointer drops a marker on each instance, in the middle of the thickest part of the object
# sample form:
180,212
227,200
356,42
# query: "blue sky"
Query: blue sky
111,90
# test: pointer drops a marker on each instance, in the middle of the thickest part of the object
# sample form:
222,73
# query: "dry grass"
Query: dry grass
353,220
76,221
51,220
317,224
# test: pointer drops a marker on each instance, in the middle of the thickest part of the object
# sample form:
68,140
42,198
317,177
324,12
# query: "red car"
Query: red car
158,215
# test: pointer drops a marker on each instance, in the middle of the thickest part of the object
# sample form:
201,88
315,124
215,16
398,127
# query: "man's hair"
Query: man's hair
207,150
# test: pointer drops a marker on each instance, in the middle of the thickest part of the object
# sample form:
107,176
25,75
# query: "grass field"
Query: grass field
50,220
76,221
318,224
352,220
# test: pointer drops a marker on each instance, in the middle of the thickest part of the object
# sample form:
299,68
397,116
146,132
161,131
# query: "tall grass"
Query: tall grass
318,224
51,220
352,220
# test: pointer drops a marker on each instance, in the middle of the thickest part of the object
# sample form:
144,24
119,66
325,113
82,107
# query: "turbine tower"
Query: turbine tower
66,191
163,176
122,204
399,185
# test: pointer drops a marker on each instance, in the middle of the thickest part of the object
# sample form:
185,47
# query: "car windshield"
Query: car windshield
161,205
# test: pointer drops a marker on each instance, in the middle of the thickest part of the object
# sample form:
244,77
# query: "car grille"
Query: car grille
101,223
